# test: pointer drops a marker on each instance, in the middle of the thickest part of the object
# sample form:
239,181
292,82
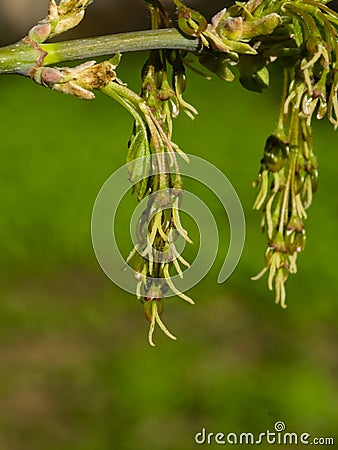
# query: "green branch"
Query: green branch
26,55
20,58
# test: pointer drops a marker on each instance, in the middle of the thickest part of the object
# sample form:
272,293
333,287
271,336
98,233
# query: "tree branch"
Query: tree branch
25,56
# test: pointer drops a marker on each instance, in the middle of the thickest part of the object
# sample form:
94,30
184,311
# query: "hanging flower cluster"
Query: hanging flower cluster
289,170
248,36
303,36
160,101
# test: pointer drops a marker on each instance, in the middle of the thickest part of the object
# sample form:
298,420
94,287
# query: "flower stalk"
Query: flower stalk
289,170
20,58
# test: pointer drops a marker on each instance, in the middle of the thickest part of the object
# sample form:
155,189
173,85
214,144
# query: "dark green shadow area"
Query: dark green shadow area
76,370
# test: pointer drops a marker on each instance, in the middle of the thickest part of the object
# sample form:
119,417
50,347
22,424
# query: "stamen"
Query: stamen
152,324
263,192
173,288
164,328
177,222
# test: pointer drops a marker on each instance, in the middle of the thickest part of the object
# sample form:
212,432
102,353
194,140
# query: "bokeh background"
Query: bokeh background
75,368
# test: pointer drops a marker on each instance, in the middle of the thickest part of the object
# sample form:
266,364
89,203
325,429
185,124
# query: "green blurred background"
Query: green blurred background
76,370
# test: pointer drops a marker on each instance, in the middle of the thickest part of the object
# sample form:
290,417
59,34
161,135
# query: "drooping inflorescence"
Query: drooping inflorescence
155,253
289,170
301,34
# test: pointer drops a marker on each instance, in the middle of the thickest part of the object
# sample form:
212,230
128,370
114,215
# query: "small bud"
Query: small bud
47,76
277,243
148,307
62,17
295,224
275,153
40,33
232,28
165,92
191,22
78,81
51,75
295,241
237,29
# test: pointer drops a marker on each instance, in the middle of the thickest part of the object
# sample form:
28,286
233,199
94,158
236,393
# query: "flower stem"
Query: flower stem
21,57
123,42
